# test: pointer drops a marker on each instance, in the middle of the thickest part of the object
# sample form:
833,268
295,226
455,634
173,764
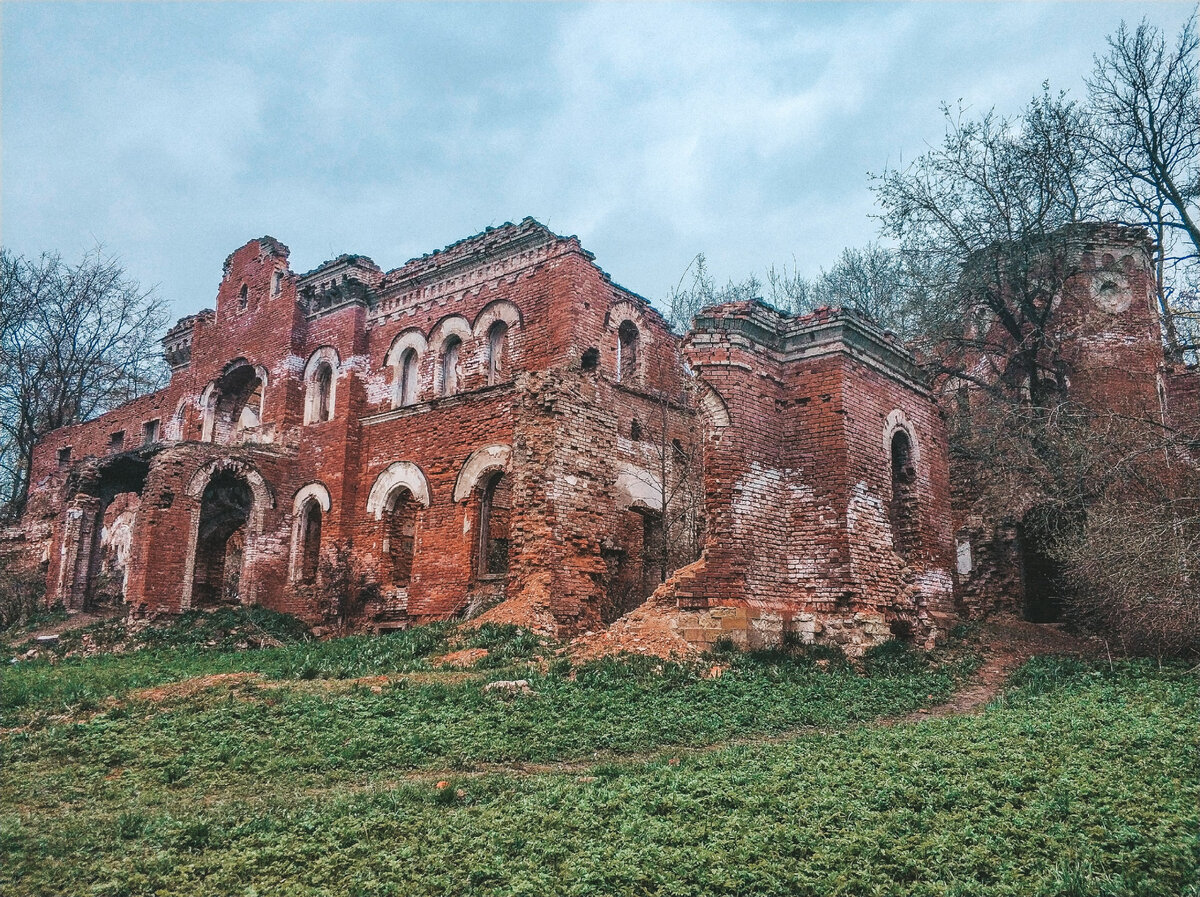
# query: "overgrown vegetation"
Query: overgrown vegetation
21,592
280,785
1132,566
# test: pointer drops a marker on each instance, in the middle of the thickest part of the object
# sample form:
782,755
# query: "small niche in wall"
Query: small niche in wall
150,432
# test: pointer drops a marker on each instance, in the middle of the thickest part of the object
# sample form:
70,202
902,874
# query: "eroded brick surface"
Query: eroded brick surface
498,429
1106,356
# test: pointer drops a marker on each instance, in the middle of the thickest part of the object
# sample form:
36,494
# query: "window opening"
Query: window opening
903,509
449,372
310,541
627,351
497,352
494,509
408,377
399,539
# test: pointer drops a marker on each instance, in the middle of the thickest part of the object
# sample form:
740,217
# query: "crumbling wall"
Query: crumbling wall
797,476
1105,354
525,434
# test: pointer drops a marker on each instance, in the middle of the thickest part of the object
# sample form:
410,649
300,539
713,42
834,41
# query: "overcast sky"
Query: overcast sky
174,133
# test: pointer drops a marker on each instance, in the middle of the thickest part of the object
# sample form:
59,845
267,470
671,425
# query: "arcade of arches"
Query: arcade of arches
498,428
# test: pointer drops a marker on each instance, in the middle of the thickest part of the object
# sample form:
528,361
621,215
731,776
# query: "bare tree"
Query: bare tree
872,280
697,289
984,220
75,341
1145,106
1133,571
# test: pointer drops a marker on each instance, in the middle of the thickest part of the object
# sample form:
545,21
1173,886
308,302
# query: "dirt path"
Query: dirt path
1005,644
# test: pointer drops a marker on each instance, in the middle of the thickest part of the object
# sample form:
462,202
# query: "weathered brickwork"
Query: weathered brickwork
814,527
1106,355
498,429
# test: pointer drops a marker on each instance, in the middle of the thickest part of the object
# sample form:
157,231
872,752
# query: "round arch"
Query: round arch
499,310
407,339
713,407
263,499
480,462
897,420
312,393
623,310
637,488
263,494
453,325
397,474
315,491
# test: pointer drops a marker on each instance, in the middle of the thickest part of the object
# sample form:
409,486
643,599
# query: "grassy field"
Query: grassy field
625,777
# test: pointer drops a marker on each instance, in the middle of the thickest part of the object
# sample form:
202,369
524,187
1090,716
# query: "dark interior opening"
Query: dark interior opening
494,508
1043,576
220,543
400,528
238,404
903,508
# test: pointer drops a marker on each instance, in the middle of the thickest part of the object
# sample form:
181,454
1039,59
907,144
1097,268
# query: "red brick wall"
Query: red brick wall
568,423
798,483
779,445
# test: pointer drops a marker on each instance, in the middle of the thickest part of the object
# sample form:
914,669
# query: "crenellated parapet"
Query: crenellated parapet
177,344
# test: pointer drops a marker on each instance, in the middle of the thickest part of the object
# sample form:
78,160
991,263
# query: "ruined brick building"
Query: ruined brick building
498,427
1104,359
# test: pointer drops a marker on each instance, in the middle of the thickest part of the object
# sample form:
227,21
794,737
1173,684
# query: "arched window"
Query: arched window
399,537
448,371
903,509
497,357
627,352
408,372
494,506
309,538
243,298
323,383
251,416
233,405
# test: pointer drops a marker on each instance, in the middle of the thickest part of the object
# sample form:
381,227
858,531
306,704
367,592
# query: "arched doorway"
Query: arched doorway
99,529
1042,575
225,507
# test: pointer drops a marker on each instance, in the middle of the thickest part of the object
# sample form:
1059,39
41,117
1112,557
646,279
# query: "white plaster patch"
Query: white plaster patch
637,487
963,557
935,583
479,462
864,503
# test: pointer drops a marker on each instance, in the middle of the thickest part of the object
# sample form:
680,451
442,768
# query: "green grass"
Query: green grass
1080,781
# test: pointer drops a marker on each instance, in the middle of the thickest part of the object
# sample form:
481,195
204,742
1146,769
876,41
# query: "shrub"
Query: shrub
21,592
1133,572
893,658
